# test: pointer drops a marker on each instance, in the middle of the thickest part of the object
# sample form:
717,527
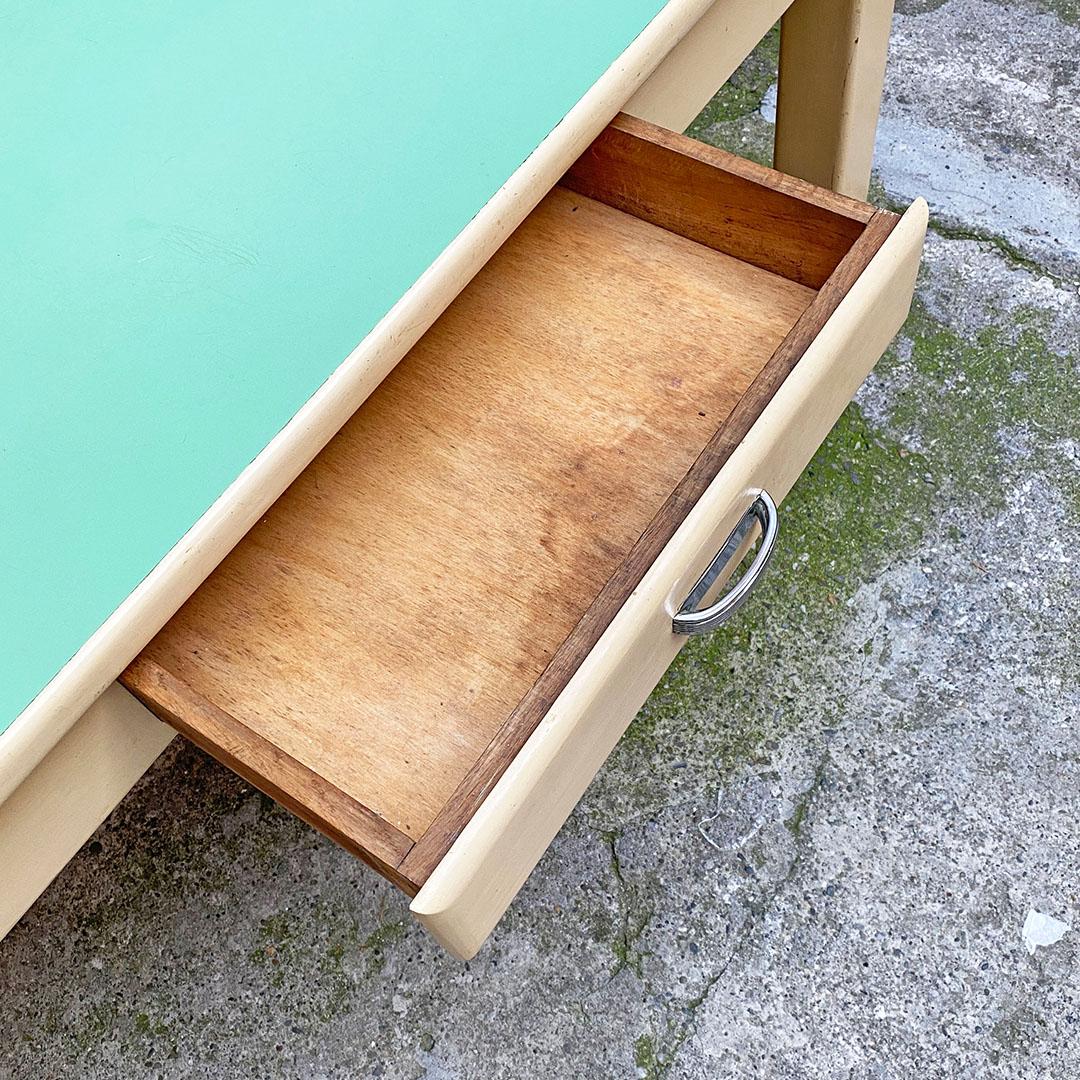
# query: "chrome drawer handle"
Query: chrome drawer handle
689,620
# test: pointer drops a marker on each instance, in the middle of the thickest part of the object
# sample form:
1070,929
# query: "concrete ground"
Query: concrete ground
814,853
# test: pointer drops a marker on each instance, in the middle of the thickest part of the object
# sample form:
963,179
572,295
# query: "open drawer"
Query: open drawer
430,643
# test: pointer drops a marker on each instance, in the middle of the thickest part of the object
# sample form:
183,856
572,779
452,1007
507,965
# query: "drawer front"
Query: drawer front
489,861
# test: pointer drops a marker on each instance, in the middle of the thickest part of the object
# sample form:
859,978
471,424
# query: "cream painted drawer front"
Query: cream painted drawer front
474,883
431,642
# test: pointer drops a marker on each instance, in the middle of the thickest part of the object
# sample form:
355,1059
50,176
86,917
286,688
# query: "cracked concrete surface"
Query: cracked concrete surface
813,854
993,147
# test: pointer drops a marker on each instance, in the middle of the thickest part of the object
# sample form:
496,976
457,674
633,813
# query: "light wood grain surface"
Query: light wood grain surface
725,220
383,620
777,222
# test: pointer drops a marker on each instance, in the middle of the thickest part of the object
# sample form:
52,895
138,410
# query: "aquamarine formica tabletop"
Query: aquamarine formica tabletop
204,207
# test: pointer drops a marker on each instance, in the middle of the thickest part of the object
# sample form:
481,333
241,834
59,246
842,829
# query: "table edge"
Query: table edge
87,674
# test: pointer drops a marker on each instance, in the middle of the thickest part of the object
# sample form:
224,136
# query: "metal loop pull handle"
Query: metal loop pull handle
689,620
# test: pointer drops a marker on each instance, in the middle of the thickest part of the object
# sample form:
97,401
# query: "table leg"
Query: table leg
832,65
70,792
695,69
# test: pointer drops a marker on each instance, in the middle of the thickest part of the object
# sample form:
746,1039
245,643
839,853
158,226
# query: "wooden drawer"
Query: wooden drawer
432,640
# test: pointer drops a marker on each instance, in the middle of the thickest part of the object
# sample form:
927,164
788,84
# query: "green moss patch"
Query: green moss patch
962,396
958,406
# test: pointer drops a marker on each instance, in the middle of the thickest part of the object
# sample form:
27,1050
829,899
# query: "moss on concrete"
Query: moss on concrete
385,935
648,1065
1067,11
655,1054
987,391
332,934
376,944
865,501
145,1026
622,928
158,1038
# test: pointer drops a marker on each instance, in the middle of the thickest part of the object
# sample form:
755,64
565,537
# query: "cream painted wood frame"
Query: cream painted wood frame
70,793
83,742
703,61
832,65
471,887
